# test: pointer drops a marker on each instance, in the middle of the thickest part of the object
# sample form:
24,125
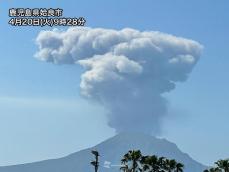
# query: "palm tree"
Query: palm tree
150,163
161,163
223,164
144,163
179,167
134,157
170,165
166,165
133,161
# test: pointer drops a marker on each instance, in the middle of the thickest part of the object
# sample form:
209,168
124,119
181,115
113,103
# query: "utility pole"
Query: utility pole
96,162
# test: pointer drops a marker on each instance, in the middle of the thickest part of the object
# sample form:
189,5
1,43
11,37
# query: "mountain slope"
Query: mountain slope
111,151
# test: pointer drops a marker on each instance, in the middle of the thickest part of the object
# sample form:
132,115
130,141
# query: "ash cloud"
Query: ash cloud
127,71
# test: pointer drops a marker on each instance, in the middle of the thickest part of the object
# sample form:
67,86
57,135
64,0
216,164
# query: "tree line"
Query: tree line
134,161
221,166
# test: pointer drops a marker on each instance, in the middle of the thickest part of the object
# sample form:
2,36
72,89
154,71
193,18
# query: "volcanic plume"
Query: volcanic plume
126,71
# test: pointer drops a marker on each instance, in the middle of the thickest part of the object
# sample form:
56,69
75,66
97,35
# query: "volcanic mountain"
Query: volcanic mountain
111,151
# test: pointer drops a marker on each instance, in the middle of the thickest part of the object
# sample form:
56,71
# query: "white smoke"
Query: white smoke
126,71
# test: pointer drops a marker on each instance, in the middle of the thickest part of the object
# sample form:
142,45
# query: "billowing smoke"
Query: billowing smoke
127,71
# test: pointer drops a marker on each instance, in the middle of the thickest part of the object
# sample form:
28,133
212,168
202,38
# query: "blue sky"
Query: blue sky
42,115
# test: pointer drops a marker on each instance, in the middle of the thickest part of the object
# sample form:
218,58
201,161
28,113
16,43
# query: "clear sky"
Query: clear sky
42,115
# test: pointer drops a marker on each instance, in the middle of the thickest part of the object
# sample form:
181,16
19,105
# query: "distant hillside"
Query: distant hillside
111,151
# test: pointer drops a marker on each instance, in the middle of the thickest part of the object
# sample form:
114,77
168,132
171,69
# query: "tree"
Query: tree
134,161
133,157
150,163
215,169
223,164
170,165
179,167
96,162
161,163
145,164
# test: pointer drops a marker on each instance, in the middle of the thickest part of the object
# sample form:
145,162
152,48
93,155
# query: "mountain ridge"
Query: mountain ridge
111,150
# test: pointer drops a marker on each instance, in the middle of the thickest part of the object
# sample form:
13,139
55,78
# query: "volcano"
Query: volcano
111,151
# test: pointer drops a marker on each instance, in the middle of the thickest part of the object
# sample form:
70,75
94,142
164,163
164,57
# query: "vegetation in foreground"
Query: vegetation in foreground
221,166
134,161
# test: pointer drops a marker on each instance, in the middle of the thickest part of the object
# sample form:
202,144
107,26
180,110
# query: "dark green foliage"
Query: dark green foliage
134,157
221,166
134,161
